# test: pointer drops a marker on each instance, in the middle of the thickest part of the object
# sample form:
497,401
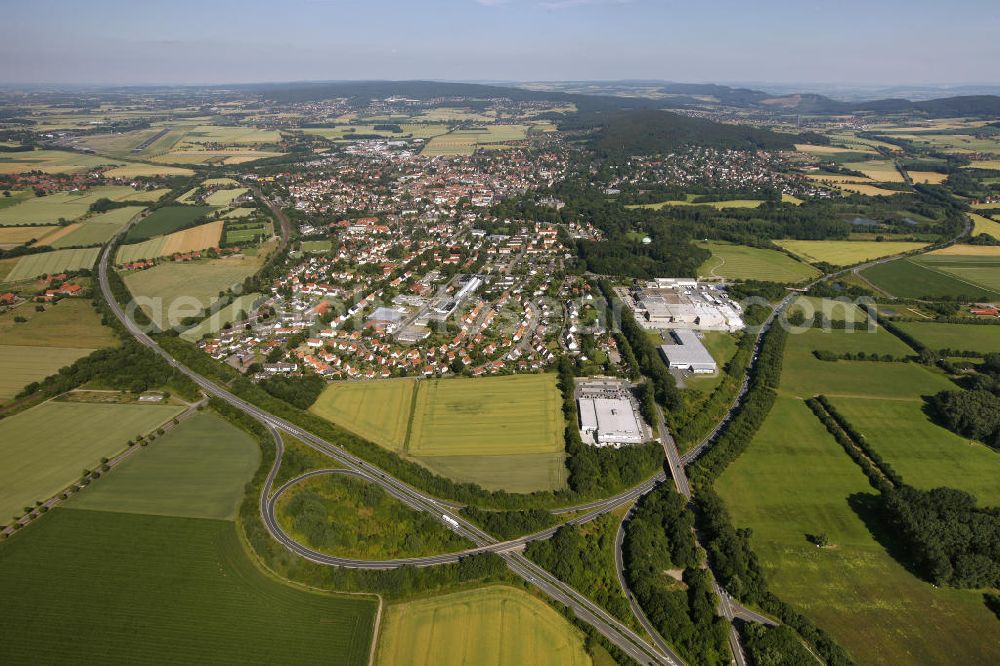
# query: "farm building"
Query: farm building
689,353
607,421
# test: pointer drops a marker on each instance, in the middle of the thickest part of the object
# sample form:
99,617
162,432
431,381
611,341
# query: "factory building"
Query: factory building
609,421
689,353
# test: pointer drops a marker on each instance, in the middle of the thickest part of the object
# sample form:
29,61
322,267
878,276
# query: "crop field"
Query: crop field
846,253
826,150
52,161
237,213
925,454
61,205
487,416
21,365
197,470
57,261
226,315
192,239
719,205
97,229
984,225
487,626
151,196
133,588
738,262
225,197
230,135
934,277
882,171
14,236
451,144
142,170
166,220
227,156
993,165
45,448
379,411
867,190
967,337
200,280
515,473
72,322
978,266
927,177
795,480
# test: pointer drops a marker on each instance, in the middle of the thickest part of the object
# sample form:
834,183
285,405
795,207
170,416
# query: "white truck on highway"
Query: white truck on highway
448,519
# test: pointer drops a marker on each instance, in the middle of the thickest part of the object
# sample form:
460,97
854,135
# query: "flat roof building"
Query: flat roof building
610,421
689,353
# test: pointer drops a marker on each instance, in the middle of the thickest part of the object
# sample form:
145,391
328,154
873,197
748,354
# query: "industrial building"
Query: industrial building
609,421
689,353
675,303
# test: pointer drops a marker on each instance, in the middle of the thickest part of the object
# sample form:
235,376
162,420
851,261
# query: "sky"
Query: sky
228,41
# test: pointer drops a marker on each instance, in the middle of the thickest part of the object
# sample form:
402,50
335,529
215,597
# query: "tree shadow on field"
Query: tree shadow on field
869,509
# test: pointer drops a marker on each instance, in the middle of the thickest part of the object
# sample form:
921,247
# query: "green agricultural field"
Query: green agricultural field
722,347
492,626
147,249
719,205
146,170
57,261
846,253
795,480
738,262
349,517
515,473
52,161
981,269
72,322
487,416
68,206
225,197
227,315
984,225
967,337
379,410
126,588
98,229
46,448
451,144
912,278
230,135
197,470
19,366
198,283
166,220
151,196
925,454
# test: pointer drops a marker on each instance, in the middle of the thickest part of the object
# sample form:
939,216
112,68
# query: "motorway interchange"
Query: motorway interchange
613,630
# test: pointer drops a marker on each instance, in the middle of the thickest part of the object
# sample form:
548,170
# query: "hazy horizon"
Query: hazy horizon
109,42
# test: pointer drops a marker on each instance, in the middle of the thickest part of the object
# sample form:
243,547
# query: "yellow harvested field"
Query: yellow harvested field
836,178
150,195
882,171
59,232
985,164
928,177
201,237
137,170
829,150
969,250
867,190
846,253
19,235
984,225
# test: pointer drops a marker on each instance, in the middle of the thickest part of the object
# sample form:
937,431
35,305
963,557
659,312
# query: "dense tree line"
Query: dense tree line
951,541
300,391
659,537
510,524
773,646
827,355
974,414
879,472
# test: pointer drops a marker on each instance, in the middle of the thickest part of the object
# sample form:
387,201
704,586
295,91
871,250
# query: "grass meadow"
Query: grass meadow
932,276
68,206
127,588
227,315
196,470
72,322
925,454
46,448
795,480
98,229
738,262
846,253
19,366
57,261
166,220
967,337
489,626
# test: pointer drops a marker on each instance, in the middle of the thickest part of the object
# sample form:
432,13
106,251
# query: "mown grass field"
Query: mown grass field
68,206
197,470
980,267
349,517
794,480
316,246
72,322
192,239
44,449
495,625
52,161
925,454
927,278
845,253
126,588
99,228
57,261
718,205
515,473
927,177
967,337
487,416
224,197
739,262
984,225
198,282
227,315
14,236
20,365
145,170
379,411
165,220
